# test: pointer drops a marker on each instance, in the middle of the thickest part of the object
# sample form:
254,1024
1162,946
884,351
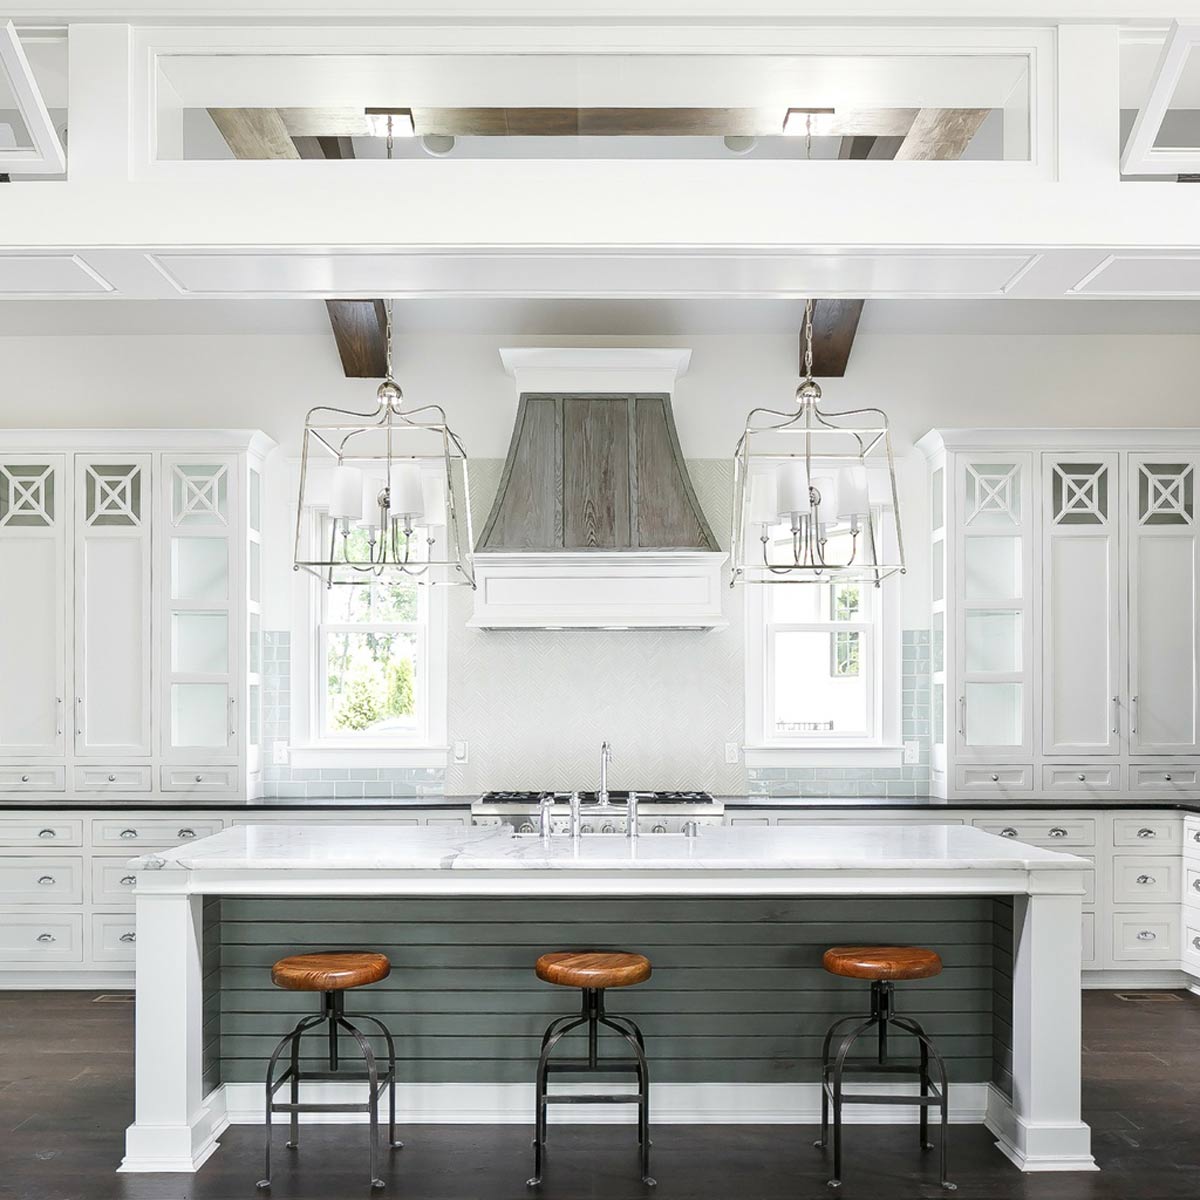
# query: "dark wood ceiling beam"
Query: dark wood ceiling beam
835,322
360,329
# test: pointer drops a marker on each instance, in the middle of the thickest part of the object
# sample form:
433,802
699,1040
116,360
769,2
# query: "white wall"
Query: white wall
921,381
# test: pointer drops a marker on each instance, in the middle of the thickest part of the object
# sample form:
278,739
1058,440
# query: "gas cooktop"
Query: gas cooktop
614,798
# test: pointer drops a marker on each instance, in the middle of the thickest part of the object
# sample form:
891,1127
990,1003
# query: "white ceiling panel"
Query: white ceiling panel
282,273
49,275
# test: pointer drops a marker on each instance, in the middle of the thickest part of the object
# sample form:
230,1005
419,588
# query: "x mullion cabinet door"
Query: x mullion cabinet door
1081,643
201,573
114,500
34,519
1164,604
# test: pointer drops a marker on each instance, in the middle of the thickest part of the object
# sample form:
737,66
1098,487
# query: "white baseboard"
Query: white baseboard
1036,1148
670,1104
66,981
1124,980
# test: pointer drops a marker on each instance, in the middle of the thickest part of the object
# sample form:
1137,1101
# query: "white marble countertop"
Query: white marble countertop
399,848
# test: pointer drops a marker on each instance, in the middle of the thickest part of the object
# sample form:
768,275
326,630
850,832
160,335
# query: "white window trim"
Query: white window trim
882,749
307,749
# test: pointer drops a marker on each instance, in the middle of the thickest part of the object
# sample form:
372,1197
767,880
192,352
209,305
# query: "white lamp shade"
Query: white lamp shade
405,497
791,481
852,497
764,498
826,487
433,491
371,487
346,493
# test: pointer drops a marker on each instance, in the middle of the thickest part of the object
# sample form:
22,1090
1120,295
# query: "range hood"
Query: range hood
595,524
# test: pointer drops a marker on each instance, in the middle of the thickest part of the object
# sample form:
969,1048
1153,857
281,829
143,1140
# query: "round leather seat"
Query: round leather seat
593,969
882,962
330,970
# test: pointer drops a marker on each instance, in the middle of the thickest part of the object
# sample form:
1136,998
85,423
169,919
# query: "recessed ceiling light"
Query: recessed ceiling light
802,122
400,121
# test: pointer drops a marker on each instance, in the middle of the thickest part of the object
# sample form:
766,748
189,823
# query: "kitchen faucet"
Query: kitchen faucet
605,759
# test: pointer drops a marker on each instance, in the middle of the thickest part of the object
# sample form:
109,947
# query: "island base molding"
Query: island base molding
1041,1147
176,1149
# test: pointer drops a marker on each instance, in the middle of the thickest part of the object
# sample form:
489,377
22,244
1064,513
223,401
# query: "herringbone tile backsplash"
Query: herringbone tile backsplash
534,706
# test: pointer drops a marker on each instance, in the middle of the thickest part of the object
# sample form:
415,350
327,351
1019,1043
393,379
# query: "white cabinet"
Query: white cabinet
34,516
130,611
113,603
1066,575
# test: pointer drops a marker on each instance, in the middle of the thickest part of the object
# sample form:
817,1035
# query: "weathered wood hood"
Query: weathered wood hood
595,522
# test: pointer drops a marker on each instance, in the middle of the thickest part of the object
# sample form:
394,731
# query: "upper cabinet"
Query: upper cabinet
133,615
1065,606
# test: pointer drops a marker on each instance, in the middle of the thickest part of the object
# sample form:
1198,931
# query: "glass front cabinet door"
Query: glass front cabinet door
994,503
202,580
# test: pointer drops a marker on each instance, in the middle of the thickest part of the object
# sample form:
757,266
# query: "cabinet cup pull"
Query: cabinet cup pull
1147,935
1145,879
1196,942
44,938
53,833
1147,833
1057,831
128,880
128,937
129,833
1196,836
46,880
186,833
1008,832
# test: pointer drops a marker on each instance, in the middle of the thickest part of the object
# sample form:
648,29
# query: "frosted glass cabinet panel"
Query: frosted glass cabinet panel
992,714
113,504
1081,677
1163,597
32,605
199,496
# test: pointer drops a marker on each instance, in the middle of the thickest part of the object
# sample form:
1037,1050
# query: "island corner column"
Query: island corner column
1044,1130
173,1129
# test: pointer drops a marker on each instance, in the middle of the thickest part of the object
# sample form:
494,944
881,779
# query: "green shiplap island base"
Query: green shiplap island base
738,994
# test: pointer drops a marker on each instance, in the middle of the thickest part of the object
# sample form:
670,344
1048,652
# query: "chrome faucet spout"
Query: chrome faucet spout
605,759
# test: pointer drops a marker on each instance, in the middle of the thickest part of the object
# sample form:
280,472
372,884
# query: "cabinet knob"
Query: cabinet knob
1147,833
1057,831
658,829
186,833
112,779
128,937
1147,935
1008,832
1167,776
1145,879
128,880
129,833
199,778
45,938
24,778
46,880
995,777
1081,777
53,833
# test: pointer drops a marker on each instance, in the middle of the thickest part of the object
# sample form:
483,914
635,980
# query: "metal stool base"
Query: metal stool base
883,1017
593,1015
333,1015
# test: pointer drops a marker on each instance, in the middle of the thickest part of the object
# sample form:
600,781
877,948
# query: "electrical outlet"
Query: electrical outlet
279,754
912,753
731,752
460,752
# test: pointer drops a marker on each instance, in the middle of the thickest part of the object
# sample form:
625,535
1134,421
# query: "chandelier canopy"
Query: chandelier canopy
383,494
814,492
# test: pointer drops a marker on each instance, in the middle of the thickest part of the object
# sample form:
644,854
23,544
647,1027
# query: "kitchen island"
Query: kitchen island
182,1105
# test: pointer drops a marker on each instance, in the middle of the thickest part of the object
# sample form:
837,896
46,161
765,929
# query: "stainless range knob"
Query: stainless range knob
525,827
658,829
608,827
586,829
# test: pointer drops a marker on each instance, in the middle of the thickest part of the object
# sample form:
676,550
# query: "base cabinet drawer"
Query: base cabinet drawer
37,938
199,780
1163,780
33,779
1081,780
41,880
1191,836
151,831
1148,935
1140,880
114,937
46,831
1148,832
113,880
1191,939
112,779
1042,831
1088,930
994,781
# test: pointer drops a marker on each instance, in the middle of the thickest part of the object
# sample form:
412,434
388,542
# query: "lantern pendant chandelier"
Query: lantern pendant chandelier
814,492
393,485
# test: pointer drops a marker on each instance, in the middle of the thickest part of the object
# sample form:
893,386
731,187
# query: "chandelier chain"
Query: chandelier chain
808,339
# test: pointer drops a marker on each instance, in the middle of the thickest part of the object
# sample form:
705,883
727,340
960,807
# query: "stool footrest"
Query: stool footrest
606,1098
608,1066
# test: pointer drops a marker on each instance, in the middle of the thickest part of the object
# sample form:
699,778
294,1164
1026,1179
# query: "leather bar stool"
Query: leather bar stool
593,974
332,973
883,966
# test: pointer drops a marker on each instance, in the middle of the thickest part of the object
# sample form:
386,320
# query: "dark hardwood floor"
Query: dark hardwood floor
66,1097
